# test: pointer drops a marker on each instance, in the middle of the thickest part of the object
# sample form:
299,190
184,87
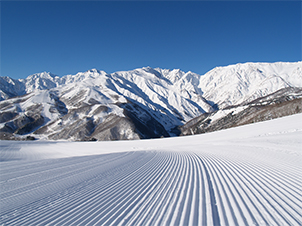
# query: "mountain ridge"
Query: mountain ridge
133,100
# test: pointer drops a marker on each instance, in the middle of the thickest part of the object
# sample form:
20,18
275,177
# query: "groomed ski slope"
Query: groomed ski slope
250,175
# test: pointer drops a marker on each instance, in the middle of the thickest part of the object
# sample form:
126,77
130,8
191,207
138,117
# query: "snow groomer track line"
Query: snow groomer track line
243,176
151,188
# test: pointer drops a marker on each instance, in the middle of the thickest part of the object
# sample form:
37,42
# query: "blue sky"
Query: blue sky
65,37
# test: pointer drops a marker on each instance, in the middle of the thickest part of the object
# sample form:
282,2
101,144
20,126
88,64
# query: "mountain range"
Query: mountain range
146,102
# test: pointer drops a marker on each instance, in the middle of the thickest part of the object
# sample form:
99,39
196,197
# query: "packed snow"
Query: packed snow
249,175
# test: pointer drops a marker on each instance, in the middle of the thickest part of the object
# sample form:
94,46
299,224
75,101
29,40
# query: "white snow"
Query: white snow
181,95
234,84
224,112
249,175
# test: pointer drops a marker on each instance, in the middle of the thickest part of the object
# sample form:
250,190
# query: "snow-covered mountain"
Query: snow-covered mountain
234,84
141,103
286,101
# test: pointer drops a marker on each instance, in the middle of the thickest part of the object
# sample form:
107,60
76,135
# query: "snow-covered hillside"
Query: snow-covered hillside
249,175
144,102
286,101
234,84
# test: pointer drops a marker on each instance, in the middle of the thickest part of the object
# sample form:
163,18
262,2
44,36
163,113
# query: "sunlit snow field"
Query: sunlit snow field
249,175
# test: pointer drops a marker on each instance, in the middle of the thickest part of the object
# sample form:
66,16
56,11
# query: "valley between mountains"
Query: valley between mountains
146,102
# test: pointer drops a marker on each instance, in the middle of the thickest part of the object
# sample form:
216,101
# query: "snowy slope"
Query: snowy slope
286,101
10,88
249,175
132,100
234,84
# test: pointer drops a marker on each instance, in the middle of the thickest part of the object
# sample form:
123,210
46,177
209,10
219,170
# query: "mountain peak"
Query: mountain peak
94,70
44,74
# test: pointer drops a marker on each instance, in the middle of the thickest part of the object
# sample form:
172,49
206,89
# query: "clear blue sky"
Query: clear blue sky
65,37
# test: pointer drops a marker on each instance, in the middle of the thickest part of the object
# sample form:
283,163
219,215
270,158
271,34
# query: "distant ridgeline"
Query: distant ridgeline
146,102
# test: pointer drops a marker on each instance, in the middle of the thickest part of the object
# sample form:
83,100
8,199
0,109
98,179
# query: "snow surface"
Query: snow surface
249,175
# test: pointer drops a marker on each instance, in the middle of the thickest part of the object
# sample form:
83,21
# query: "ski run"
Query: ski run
249,175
